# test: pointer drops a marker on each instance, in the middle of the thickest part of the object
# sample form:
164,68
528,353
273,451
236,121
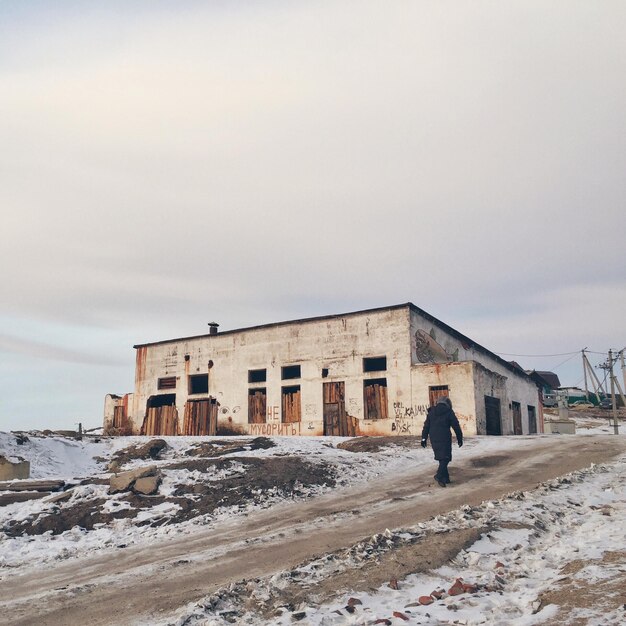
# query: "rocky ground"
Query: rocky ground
317,531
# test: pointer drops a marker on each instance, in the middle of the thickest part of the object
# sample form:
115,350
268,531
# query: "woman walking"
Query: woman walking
438,422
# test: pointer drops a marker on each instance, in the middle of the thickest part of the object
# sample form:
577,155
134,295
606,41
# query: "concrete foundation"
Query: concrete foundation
10,470
560,427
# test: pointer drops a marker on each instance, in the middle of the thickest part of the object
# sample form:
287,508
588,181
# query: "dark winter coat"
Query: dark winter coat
438,422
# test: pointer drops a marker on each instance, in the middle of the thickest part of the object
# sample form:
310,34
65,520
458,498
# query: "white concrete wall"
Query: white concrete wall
110,402
430,344
459,379
419,354
338,344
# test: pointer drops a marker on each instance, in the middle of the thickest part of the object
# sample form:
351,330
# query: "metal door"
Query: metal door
517,418
532,420
492,411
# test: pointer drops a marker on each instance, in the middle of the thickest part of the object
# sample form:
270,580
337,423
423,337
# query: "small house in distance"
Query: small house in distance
371,372
548,383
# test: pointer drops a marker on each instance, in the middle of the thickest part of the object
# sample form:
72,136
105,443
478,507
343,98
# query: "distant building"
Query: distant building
372,372
548,383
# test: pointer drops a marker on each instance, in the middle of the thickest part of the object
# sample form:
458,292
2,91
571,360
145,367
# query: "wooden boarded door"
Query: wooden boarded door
439,391
160,420
375,399
200,417
257,406
337,422
492,411
517,418
120,420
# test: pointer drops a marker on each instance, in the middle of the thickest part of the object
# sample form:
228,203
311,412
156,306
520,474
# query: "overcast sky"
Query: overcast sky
167,164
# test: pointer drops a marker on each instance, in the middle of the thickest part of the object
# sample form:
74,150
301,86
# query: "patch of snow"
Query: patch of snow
571,518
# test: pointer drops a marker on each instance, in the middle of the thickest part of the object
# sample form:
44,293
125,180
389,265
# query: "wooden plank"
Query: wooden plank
32,485
21,496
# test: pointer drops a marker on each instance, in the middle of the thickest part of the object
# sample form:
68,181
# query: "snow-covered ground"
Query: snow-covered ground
534,534
577,519
57,457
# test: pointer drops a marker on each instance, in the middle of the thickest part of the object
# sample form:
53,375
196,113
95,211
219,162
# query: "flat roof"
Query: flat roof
455,333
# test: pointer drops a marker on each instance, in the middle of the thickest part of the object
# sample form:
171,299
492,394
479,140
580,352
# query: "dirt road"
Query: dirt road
143,584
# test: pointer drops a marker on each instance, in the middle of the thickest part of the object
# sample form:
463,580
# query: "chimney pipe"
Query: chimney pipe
213,328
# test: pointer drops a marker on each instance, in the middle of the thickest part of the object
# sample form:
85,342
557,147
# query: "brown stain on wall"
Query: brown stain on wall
140,365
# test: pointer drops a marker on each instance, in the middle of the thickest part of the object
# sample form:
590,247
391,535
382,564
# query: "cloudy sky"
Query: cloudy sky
166,164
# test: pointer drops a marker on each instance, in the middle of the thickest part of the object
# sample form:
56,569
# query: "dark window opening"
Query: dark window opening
291,407
257,376
198,383
375,364
375,399
324,372
257,406
290,371
165,399
437,391
167,383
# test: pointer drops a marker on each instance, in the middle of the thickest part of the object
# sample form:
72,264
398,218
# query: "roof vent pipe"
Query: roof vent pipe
213,328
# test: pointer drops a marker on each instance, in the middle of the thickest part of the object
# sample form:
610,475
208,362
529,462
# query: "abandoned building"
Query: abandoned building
372,372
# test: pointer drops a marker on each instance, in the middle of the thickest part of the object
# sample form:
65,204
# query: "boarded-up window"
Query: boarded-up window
167,383
290,371
375,399
291,404
375,364
198,383
436,392
257,406
257,376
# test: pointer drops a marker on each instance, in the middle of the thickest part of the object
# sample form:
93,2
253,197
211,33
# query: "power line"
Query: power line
551,355
541,355
563,362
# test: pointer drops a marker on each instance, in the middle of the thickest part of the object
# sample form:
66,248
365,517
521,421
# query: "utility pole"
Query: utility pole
597,385
613,400
621,358
585,374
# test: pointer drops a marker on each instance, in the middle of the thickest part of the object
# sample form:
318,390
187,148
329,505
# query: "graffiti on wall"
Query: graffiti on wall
464,421
429,350
171,358
404,418
402,427
409,412
275,429
226,410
